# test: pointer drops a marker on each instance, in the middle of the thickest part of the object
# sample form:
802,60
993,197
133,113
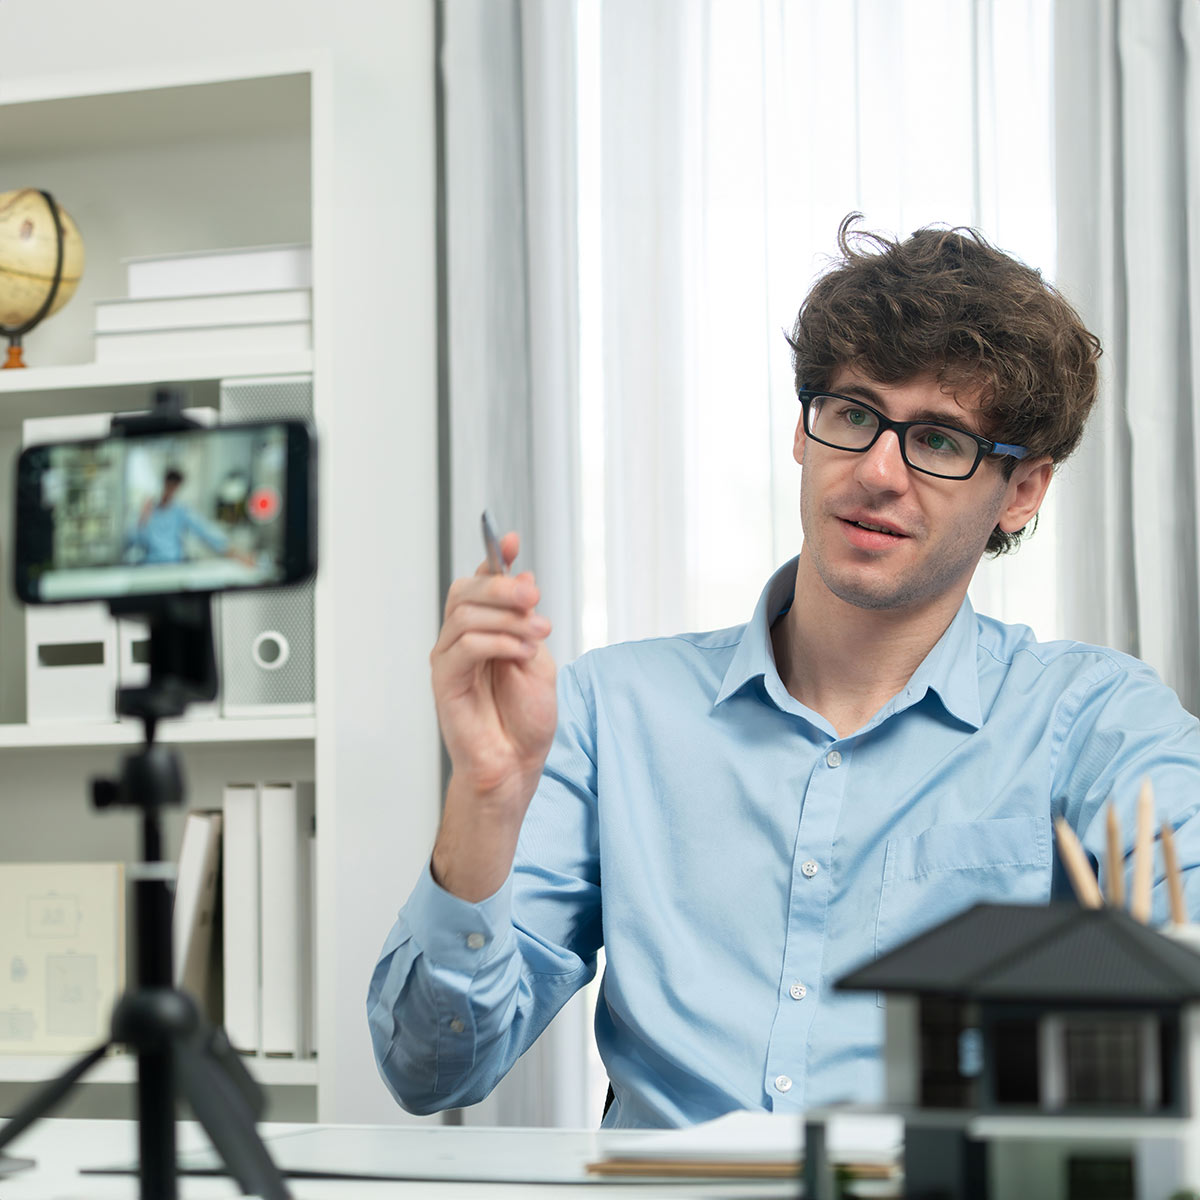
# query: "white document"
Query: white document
185,312
266,337
62,954
756,1136
286,814
196,902
247,269
240,900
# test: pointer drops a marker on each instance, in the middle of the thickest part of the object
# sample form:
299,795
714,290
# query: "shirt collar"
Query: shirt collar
950,670
754,657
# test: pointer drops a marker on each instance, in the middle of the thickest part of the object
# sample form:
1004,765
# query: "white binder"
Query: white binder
286,814
240,898
195,904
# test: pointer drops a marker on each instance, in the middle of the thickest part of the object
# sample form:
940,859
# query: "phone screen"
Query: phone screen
141,514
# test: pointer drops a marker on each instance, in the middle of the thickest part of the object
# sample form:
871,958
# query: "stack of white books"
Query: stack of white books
253,300
268,888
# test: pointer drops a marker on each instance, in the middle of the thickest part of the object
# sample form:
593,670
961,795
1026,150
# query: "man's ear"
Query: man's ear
1025,493
799,442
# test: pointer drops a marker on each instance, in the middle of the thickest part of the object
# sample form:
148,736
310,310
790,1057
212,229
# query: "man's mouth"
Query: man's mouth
875,527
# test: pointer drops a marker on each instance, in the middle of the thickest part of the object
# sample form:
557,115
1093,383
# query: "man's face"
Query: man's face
936,529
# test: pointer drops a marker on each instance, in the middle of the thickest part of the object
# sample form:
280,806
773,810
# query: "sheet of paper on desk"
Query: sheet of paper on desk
443,1153
760,1142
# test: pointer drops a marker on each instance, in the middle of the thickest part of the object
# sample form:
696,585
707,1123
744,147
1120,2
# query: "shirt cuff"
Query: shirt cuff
454,933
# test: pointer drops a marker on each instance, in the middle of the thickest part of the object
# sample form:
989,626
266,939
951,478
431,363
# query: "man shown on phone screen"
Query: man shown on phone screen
165,526
741,817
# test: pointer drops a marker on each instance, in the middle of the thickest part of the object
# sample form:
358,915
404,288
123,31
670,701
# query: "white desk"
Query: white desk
63,1146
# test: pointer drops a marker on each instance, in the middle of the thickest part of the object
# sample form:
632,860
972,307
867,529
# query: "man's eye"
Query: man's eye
857,416
940,441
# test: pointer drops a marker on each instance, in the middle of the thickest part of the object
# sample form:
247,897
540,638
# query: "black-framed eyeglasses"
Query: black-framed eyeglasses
846,423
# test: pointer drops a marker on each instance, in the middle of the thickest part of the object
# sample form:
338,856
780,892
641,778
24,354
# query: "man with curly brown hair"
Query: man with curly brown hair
741,817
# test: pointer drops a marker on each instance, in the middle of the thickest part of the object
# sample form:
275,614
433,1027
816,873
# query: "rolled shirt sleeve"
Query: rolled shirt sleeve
462,990
437,996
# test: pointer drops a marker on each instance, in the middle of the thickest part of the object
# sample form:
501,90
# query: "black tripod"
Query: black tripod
178,1052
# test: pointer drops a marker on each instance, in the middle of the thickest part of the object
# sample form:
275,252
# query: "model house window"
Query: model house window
948,1031
1092,1177
1015,1061
1110,1060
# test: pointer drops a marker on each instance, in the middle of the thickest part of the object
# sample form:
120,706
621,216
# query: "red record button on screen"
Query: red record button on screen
263,504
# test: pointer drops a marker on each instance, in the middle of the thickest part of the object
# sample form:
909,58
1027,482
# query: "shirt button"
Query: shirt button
456,1025
810,868
475,941
783,1083
797,991
834,758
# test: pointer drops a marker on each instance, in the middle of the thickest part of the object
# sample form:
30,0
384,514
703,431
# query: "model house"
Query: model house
1049,1052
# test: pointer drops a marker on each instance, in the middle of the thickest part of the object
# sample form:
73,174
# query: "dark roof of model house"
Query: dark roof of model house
1050,954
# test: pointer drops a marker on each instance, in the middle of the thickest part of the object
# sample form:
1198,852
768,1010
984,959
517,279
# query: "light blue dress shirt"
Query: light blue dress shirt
749,857
161,535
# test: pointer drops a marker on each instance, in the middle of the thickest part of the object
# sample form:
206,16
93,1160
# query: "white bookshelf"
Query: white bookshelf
320,133
122,1068
129,387
184,732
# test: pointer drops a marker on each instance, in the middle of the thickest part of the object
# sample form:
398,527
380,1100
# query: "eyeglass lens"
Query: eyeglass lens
938,449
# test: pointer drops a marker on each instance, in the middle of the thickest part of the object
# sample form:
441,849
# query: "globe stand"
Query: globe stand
15,333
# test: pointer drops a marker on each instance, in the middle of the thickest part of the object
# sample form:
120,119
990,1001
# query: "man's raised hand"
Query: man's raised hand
493,683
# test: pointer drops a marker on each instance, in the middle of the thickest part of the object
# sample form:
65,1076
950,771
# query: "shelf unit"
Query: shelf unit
129,387
160,137
122,1068
309,131
129,733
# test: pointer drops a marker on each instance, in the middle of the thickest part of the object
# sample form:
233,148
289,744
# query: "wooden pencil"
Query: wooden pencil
1079,870
1114,863
1143,856
1179,913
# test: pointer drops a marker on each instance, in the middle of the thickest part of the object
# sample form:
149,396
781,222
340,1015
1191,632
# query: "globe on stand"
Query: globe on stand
41,260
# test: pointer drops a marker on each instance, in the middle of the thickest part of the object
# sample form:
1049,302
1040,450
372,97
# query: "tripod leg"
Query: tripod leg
223,1106
52,1094
156,1124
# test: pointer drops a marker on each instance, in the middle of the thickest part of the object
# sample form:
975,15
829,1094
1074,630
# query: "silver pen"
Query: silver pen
491,543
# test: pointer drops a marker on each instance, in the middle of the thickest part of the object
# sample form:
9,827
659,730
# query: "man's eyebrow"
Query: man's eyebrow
931,415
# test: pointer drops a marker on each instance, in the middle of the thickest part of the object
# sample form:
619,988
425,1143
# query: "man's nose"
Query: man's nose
882,468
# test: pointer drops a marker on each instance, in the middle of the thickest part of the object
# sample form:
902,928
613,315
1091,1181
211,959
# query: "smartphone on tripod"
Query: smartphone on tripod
154,519
146,513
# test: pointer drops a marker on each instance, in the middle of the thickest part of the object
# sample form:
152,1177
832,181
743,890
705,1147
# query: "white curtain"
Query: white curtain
719,144
511,338
1128,118
727,138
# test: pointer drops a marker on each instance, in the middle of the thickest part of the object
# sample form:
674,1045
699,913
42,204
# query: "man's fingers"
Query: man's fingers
484,618
499,591
474,649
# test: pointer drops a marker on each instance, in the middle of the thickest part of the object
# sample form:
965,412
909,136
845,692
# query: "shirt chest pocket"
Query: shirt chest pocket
932,876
